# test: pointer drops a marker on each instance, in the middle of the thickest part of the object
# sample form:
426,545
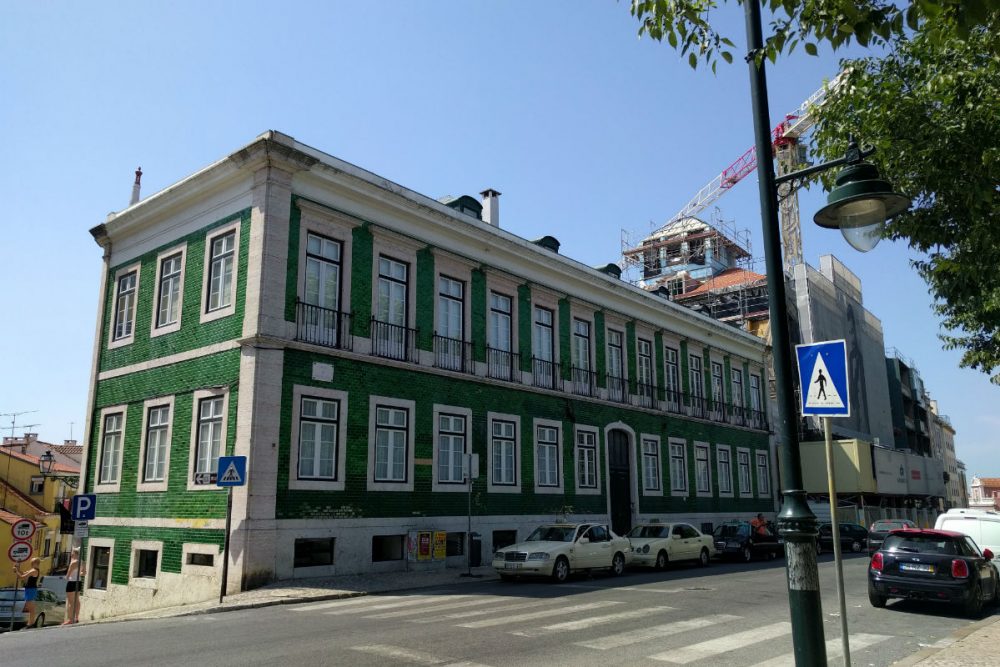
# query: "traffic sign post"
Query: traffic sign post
83,507
22,530
825,393
19,552
232,472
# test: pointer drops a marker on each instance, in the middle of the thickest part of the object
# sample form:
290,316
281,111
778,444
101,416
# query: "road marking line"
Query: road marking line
417,657
655,632
834,649
409,601
591,622
538,614
363,599
483,612
685,654
437,607
693,589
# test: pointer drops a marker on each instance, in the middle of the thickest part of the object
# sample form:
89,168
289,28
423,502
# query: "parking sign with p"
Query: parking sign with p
83,507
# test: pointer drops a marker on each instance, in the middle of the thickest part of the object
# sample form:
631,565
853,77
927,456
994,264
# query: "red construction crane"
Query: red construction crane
789,153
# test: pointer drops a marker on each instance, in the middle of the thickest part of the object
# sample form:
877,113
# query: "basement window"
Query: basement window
387,547
313,552
204,560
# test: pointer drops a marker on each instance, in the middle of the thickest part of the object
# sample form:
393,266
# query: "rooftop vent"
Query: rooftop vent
548,242
612,270
464,204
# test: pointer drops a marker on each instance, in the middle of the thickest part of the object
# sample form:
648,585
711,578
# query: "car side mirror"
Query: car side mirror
987,554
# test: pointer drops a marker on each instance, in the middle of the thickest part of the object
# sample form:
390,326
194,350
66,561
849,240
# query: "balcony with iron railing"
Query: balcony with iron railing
617,389
323,326
644,396
453,354
584,381
392,341
503,365
546,374
673,401
696,406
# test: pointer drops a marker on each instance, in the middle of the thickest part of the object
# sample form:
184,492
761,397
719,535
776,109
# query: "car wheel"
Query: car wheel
876,599
560,571
618,564
856,546
506,577
39,621
704,559
661,560
747,554
974,605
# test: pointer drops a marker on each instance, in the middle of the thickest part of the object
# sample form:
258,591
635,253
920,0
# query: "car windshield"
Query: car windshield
925,544
732,530
649,531
8,594
552,534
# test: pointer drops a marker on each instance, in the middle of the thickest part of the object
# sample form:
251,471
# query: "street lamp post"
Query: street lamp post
45,463
859,206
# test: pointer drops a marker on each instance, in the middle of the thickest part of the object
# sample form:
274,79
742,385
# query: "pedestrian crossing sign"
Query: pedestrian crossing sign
823,379
232,471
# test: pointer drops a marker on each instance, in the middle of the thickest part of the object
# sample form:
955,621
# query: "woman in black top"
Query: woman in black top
30,578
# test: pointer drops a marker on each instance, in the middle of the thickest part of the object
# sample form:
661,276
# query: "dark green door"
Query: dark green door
619,482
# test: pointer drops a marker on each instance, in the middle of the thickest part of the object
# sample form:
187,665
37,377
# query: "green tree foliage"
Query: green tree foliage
931,107
932,110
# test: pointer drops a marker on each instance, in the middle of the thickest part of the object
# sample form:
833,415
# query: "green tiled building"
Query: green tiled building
356,341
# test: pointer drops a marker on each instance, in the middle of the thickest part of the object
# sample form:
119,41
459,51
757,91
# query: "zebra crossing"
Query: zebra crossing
634,623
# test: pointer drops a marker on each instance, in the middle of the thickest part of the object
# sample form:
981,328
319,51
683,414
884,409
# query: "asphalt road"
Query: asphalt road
726,614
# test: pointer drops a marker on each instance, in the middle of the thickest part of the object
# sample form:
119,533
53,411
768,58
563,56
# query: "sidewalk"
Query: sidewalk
977,645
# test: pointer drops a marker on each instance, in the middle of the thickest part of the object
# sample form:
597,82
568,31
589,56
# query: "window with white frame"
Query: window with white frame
763,475
221,270
616,366
208,443
697,382
586,459
450,448
319,431
717,387
391,438
547,456
651,464
499,338
543,348
743,468
168,292
112,431
702,471
321,290
724,458
449,343
645,370
582,383
157,445
673,377
755,399
125,300
736,377
678,467
503,452
390,335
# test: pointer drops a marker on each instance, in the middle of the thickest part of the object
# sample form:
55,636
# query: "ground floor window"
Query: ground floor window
313,551
145,563
204,560
455,545
100,560
387,547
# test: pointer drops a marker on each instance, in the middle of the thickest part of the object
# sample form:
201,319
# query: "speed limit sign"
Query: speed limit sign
23,529
19,552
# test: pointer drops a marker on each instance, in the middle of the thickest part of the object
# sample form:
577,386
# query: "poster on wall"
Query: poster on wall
440,545
890,471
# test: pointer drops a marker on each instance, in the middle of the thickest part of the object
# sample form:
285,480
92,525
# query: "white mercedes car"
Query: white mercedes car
659,544
558,549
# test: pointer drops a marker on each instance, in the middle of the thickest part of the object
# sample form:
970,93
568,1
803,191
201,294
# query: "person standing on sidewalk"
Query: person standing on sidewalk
30,578
73,588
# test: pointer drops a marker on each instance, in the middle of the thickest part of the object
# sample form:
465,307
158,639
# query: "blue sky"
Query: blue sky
583,127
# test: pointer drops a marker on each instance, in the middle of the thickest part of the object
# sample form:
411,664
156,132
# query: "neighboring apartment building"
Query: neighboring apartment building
26,494
985,493
355,340
910,404
943,448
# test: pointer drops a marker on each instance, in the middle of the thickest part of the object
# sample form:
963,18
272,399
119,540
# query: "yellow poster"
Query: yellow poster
440,545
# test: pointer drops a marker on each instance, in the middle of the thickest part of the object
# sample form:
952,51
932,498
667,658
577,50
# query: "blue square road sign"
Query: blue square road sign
823,379
232,471
83,507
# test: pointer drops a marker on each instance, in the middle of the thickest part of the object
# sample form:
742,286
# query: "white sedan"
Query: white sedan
558,549
658,544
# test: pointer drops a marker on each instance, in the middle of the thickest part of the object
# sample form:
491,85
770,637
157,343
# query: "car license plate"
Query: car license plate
512,566
916,567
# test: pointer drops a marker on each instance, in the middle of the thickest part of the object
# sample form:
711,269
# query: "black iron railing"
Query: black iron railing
673,401
617,389
696,406
503,365
584,381
452,354
644,396
545,374
393,341
323,326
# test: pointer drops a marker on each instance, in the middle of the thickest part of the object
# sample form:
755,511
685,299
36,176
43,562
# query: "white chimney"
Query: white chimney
135,188
491,207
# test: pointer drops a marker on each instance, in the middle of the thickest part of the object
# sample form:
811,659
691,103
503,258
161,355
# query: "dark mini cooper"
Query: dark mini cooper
938,565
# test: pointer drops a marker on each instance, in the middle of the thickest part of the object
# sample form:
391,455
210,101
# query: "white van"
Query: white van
983,526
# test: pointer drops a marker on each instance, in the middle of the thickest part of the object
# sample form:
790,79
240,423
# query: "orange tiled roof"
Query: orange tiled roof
10,518
31,458
725,280
990,481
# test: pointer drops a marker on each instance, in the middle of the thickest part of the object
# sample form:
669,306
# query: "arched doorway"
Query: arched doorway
619,481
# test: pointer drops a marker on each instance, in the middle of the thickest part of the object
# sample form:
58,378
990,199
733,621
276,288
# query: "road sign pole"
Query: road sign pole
225,549
835,527
13,603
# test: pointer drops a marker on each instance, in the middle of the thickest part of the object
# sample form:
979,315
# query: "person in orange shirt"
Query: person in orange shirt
759,525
